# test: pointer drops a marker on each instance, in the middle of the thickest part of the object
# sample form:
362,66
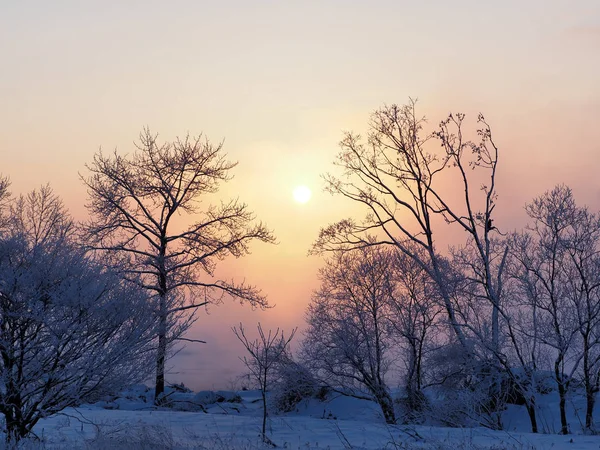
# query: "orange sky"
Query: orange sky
280,81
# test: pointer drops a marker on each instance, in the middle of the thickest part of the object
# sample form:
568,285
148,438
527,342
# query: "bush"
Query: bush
73,331
474,391
294,384
322,393
212,397
414,405
180,388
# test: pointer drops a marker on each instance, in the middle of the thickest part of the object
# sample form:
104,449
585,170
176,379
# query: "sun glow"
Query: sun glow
302,194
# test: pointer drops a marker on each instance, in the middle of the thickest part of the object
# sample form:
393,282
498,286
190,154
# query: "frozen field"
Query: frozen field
340,423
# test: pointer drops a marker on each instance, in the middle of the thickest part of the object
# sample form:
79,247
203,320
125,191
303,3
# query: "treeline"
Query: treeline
378,311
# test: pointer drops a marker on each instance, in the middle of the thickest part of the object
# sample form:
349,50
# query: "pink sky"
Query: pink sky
280,81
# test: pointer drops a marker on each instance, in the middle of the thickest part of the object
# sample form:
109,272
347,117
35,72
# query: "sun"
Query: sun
302,194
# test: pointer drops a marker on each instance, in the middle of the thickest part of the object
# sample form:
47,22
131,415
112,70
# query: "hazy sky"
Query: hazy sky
280,81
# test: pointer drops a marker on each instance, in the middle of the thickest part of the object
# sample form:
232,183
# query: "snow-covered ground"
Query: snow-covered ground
338,423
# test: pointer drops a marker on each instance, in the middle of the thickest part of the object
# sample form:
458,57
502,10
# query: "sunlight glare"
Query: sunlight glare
302,194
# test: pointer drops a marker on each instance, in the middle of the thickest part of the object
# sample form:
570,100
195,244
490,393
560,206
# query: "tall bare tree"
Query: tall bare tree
403,182
135,202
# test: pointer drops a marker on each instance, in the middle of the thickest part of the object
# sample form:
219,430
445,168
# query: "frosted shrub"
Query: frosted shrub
295,383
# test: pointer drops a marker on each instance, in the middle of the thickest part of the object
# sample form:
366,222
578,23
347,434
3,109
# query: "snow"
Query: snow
338,423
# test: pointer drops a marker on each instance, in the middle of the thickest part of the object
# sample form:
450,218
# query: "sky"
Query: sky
279,82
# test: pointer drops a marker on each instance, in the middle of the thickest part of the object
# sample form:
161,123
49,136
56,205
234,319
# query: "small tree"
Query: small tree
266,352
135,201
70,330
583,275
348,339
544,263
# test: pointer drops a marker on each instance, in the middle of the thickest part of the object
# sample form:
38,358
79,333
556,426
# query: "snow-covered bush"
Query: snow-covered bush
212,397
294,384
71,331
414,407
180,387
471,390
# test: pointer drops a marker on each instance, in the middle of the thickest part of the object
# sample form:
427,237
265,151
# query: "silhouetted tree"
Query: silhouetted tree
135,202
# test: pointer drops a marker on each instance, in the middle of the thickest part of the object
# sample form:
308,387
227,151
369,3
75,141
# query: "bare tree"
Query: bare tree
524,354
583,278
266,352
348,339
543,258
135,202
403,185
70,330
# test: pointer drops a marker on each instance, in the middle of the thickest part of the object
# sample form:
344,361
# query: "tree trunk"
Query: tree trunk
12,436
495,328
411,381
160,367
441,284
589,388
590,401
15,431
494,295
386,404
530,406
562,393
419,368
263,392
161,351
16,426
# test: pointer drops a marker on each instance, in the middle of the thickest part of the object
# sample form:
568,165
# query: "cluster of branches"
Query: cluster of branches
508,306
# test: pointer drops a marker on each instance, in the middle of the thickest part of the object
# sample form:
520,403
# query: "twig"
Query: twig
342,437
